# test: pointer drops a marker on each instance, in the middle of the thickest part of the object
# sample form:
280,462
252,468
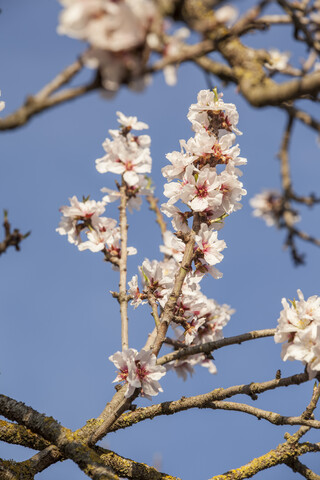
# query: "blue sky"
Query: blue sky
59,323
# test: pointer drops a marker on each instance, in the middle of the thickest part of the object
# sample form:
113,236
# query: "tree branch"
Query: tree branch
201,401
123,300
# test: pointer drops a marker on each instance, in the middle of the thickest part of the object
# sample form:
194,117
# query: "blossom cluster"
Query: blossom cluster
116,33
129,156
138,370
299,327
121,35
203,177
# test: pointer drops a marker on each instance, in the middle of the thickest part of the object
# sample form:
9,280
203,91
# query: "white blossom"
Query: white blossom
299,327
277,60
138,370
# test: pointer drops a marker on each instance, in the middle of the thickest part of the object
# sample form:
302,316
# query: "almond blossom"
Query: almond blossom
277,60
209,246
125,155
138,370
210,113
77,216
299,327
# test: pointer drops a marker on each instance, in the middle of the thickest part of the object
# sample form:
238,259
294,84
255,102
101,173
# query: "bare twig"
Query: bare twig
211,346
153,205
123,300
46,98
11,239
154,306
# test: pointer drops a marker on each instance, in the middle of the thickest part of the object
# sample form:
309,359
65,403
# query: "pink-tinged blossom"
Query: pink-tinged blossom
77,216
179,219
201,191
183,367
83,210
116,68
202,268
173,47
299,326
209,246
191,331
124,159
108,25
173,246
212,114
158,275
179,162
269,206
138,370
100,233
131,122
134,193
231,189
134,292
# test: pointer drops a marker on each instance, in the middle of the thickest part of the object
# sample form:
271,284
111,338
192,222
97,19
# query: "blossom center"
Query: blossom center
202,191
141,371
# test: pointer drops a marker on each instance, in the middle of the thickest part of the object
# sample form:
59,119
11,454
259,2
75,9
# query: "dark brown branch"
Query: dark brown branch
299,467
11,239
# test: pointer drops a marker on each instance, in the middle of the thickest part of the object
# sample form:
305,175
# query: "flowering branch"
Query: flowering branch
168,311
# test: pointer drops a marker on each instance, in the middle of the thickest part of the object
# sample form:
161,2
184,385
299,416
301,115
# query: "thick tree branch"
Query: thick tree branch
68,443
281,454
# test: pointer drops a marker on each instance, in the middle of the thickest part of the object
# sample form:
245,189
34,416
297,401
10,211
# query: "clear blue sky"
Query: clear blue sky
59,323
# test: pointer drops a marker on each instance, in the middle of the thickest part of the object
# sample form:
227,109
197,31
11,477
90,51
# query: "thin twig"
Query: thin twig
123,300
46,98
11,239
211,346
153,205
154,306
